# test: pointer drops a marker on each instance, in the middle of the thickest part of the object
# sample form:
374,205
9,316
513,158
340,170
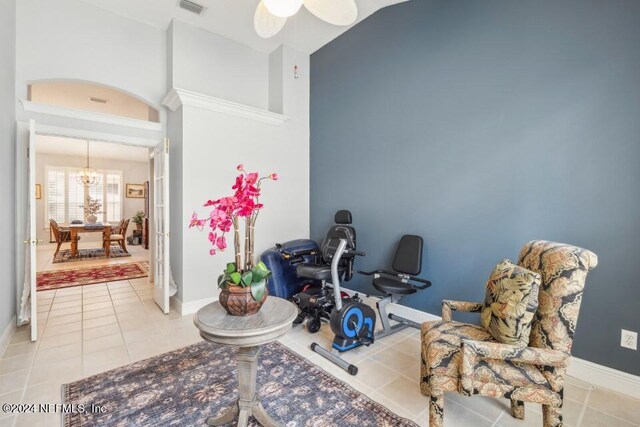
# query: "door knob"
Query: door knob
35,242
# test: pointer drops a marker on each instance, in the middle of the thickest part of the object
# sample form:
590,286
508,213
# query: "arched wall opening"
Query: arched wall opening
92,97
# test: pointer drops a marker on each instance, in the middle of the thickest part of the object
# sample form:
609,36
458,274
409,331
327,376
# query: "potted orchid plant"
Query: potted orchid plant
243,282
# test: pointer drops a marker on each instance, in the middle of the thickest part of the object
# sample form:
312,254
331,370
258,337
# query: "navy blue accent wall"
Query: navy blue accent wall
480,125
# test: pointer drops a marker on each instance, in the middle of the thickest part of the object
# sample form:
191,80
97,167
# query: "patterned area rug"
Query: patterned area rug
90,275
85,254
184,387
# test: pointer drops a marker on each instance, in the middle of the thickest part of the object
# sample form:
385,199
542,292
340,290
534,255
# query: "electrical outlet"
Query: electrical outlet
629,339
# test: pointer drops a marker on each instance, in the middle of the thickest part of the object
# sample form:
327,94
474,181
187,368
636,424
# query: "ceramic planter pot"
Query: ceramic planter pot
238,301
91,219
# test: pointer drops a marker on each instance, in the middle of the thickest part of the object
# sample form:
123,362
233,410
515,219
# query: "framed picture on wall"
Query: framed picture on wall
38,191
135,191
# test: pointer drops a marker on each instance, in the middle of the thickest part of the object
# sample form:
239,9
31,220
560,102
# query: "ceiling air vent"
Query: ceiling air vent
191,6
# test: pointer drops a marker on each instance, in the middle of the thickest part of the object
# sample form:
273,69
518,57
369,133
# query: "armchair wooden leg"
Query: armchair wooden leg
551,416
124,246
517,409
436,410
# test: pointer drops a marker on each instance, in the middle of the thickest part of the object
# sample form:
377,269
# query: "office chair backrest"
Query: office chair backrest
408,258
342,230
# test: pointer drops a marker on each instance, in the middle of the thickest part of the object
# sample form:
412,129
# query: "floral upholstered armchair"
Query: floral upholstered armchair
466,358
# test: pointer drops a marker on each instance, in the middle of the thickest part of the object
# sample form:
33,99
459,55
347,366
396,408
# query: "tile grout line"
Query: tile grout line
35,353
495,423
118,319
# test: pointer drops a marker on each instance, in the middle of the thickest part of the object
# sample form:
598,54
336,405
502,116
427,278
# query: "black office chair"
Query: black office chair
321,269
407,264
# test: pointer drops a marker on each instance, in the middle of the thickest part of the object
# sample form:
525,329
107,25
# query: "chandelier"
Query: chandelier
87,176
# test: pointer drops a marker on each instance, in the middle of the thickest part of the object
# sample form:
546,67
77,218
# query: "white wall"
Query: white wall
206,63
70,39
214,143
7,162
176,190
133,173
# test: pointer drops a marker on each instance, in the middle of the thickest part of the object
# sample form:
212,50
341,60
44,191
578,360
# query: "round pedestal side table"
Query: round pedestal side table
247,334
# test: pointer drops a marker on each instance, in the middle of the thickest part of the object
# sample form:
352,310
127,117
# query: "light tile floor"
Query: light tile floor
90,329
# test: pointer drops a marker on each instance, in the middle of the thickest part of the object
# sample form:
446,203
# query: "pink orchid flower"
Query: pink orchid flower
218,215
239,182
221,243
225,226
226,211
251,178
195,222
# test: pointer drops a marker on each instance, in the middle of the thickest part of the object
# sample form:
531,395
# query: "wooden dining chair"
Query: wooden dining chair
118,235
60,234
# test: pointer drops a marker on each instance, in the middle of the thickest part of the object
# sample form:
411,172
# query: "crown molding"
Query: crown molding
34,107
179,97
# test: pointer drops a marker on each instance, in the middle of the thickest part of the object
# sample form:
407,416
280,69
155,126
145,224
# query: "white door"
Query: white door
162,268
32,240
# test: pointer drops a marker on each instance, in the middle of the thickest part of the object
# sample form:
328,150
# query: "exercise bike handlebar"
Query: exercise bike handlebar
355,253
425,285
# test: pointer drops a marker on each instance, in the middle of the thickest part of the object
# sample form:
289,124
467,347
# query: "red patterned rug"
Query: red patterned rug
90,275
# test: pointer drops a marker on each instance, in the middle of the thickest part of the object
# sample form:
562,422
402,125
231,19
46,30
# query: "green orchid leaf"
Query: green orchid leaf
236,277
259,274
222,279
231,268
247,278
261,265
258,289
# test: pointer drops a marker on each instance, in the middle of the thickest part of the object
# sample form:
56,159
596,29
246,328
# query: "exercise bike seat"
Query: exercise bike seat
316,271
392,286
407,263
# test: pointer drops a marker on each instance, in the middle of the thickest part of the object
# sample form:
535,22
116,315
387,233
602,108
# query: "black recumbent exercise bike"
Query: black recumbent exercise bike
407,264
351,320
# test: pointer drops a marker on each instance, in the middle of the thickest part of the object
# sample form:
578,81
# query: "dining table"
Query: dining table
76,229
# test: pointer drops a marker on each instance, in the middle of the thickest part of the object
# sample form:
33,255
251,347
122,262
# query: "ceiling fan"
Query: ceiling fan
271,15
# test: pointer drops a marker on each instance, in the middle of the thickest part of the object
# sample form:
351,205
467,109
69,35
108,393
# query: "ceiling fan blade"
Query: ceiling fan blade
266,24
336,12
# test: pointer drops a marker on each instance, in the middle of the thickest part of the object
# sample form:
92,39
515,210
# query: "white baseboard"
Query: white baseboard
603,376
190,307
7,335
598,375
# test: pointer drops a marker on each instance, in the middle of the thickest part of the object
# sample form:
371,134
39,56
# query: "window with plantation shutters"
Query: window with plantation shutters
75,198
56,196
66,197
113,197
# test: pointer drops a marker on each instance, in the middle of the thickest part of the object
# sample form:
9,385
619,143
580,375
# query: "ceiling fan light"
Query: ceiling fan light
266,24
335,12
283,8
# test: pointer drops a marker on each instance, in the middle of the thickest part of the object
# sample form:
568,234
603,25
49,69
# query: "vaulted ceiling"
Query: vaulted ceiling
233,19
